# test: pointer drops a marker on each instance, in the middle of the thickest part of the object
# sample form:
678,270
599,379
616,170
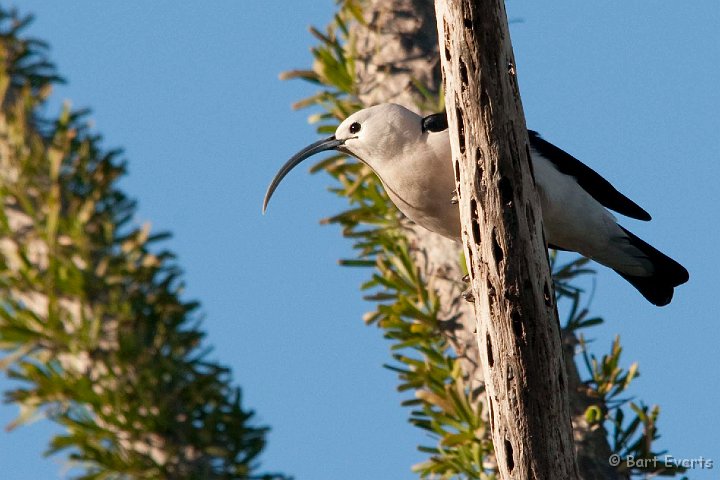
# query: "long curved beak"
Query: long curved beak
330,143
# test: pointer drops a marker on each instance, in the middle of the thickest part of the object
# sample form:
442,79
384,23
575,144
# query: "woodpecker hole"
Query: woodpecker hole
492,413
484,99
479,171
491,360
457,174
506,191
485,107
475,223
461,128
463,74
517,325
512,147
498,253
447,40
509,460
492,298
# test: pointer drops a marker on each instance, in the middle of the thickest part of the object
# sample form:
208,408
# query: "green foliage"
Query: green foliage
442,403
608,382
92,323
407,310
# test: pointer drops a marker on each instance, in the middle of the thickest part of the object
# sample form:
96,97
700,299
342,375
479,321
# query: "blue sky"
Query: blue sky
192,94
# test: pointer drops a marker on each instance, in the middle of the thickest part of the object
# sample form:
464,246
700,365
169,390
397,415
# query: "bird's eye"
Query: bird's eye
354,127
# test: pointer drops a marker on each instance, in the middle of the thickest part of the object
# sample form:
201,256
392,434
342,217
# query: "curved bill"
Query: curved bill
330,143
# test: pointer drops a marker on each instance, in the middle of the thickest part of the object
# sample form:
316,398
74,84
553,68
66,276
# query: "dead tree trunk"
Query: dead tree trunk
396,47
517,325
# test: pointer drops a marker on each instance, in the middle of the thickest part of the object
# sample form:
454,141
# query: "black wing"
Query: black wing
600,189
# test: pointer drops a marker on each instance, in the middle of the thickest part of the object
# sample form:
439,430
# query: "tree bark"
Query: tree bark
397,47
518,331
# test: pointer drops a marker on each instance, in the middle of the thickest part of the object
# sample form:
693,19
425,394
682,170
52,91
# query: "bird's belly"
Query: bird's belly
445,221
428,203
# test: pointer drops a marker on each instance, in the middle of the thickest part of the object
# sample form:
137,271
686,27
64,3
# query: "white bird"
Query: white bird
411,156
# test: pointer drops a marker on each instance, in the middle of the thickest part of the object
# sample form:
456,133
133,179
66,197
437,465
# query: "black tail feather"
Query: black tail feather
668,274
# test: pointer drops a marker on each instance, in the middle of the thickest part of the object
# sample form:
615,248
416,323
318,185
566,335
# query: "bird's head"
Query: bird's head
380,136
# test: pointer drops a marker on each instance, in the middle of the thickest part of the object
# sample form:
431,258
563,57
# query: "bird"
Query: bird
411,155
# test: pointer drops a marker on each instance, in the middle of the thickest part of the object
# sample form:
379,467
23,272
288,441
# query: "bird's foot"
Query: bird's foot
454,198
468,295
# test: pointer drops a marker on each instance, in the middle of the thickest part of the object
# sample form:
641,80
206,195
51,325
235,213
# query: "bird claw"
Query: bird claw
466,278
454,199
468,295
